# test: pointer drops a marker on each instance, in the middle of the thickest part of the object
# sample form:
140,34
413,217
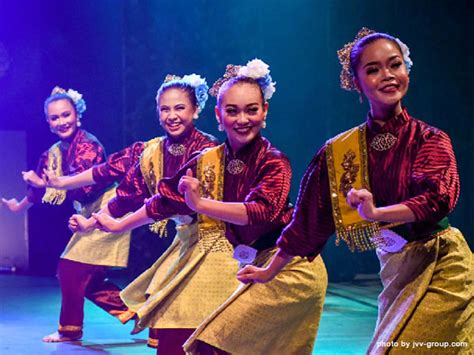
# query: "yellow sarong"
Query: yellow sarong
279,317
426,304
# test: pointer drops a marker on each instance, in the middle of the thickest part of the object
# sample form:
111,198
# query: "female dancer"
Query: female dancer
407,168
179,101
82,267
242,187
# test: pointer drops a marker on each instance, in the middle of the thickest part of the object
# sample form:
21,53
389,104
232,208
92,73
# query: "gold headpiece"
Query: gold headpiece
57,90
344,55
171,77
231,71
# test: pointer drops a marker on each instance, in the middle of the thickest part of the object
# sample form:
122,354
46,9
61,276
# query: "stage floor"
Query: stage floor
30,305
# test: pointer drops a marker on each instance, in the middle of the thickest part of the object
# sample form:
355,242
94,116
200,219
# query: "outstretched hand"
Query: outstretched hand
252,273
31,178
189,187
78,223
51,179
106,223
12,204
363,201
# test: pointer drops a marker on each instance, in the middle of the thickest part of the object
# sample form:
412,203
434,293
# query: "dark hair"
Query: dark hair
180,85
234,81
57,97
358,48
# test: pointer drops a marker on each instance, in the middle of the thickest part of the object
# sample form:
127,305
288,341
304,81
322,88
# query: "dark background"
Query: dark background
118,52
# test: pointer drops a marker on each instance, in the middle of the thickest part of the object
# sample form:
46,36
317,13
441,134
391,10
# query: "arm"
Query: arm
14,206
79,223
85,154
232,212
69,182
252,273
364,202
312,223
134,220
434,186
32,179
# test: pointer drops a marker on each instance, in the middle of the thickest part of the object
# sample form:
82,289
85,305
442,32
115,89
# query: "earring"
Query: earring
79,124
264,124
220,127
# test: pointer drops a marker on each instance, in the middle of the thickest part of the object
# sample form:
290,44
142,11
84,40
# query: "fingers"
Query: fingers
247,274
189,173
355,197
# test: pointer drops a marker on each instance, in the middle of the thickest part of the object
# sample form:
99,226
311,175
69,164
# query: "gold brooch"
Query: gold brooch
383,141
177,149
235,166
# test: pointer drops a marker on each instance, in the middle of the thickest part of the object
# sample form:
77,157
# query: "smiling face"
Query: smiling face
176,112
241,112
382,76
62,118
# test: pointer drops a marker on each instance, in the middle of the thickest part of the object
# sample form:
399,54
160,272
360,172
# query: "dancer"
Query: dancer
407,169
242,186
179,102
82,267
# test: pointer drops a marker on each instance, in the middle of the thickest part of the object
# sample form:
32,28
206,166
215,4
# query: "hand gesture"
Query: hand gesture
363,200
106,223
252,273
32,179
78,223
189,186
51,179
12,204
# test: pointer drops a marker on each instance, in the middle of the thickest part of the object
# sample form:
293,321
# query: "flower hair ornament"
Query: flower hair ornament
75,96
198,83
344,55
255,69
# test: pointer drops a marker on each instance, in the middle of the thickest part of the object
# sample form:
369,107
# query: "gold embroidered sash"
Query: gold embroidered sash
151,166
52,195
346,157
210,173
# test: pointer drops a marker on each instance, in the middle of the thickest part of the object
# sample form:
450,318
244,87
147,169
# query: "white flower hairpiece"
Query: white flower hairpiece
79,102
75,96
405,53
258,70
195,81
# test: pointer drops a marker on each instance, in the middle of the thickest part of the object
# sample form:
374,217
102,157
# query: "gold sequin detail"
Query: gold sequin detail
350,172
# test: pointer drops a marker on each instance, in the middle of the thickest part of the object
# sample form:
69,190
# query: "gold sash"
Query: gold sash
54,196
151,166
210,173
346,157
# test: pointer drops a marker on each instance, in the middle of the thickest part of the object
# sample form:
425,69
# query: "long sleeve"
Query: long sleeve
82,155
435,179
266,201
168,201
118,164
130,194
312,222
34,194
